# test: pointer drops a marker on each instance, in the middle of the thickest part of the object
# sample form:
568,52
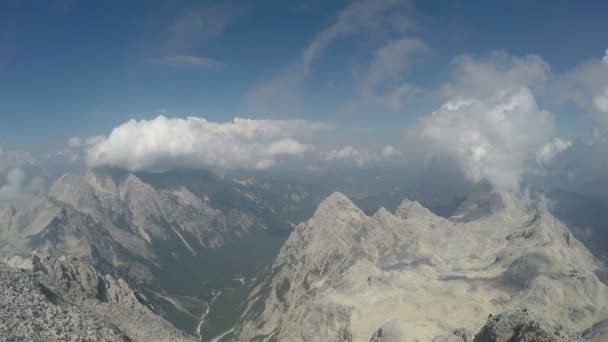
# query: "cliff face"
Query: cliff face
345,276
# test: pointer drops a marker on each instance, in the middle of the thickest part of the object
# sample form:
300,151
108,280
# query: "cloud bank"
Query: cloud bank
491,125
170,143
490,138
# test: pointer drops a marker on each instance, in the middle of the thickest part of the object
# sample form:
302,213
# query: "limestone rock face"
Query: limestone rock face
78,281
524,326
345,276
65,299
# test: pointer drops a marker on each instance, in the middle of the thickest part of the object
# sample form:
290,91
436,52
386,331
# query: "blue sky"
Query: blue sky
82,67
500,90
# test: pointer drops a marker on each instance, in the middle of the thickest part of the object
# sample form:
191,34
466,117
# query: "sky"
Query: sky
156,85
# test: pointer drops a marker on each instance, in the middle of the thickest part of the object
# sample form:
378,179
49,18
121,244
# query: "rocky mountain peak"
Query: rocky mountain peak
337,206
102,180
408,209
65,299
346,274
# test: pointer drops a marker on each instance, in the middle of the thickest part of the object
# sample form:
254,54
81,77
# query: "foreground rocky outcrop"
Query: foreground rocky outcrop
516,326
523,326
413,276
65,299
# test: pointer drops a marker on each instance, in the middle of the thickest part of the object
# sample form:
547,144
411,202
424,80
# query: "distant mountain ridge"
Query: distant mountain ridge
165,232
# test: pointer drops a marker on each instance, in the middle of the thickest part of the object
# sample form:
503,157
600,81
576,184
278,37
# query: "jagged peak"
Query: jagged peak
68,177
382,212
132,180
101,180
336,208
409,208
337,201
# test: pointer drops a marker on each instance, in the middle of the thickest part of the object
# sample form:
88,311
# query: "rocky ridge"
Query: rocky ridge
345,276
65,299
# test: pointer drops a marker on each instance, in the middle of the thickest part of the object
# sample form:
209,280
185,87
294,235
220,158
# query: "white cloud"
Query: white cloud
95,140
18,189
188,61
74,142
491,138
491,124
287,147
390,151
546,154
348,153
168,143
342,153
600,101
605,59
496,71
586,85
15,180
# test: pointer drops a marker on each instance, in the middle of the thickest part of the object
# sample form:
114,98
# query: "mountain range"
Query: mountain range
412,275
186,239
225,258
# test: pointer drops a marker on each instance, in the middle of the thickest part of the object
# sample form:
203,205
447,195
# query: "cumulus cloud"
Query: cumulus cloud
491,138
94,140
498,70
360,156
491,125
74,142
348,153
390,151
586,85
169,143
546,154
600,101
605,59
18,188
14,183
287,147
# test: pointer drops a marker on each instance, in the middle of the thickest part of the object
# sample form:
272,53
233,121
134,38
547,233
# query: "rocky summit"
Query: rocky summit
414,276
43,298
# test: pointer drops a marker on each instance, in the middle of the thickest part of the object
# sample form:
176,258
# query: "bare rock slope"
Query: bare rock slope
413,276
65,299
